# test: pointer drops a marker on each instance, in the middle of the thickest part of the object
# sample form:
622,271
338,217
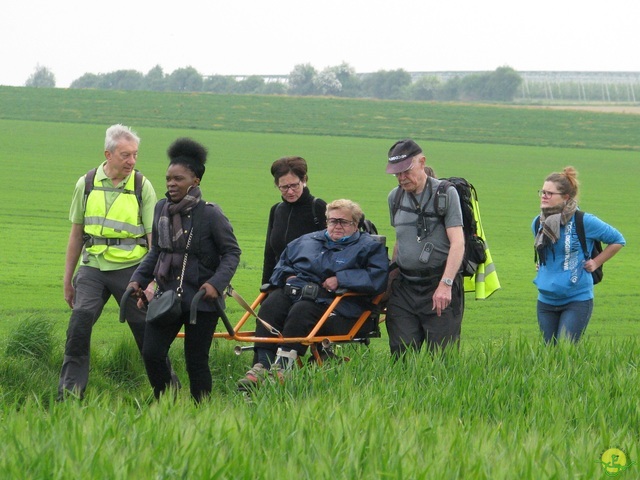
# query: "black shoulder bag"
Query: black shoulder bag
166,308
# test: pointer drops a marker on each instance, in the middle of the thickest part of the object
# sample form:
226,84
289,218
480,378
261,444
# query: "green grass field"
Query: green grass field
504,406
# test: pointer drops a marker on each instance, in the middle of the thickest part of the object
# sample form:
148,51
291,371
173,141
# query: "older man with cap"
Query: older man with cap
426,301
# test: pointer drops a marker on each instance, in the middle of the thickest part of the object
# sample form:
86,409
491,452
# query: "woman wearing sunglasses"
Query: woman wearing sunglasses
309,272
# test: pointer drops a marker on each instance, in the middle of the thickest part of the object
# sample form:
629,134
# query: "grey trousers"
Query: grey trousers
93,290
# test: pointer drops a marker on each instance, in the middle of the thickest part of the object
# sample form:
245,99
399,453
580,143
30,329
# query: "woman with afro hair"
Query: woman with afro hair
183,221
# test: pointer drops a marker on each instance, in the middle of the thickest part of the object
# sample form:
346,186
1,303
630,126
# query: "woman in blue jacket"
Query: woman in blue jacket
564,280
323,261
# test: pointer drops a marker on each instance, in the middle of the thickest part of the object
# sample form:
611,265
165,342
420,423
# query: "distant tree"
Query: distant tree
503,84
122,80
500,85
349,80
450,90
185,80
219,84
424,88
88,80
301,79
386,84
155,79
42,77
274,88
327,83
251,84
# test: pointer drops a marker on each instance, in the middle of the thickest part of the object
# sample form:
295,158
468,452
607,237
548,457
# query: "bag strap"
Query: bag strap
184,262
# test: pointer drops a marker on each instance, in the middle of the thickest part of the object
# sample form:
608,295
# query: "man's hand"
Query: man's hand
441,298
69,294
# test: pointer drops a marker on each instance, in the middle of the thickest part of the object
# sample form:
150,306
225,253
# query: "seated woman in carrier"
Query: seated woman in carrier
306,278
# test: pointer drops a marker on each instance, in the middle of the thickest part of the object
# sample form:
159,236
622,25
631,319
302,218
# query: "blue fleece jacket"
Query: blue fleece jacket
563,279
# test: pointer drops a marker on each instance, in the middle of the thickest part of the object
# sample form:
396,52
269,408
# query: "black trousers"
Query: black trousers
294,319
197,342
411,320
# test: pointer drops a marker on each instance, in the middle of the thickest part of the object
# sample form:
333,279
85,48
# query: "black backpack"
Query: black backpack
474,249
367,226
597,274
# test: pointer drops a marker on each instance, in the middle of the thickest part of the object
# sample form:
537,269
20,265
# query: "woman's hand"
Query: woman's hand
591,265
137,290
138,293
211,292
330,284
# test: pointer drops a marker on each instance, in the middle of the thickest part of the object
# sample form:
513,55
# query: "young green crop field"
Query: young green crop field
503,406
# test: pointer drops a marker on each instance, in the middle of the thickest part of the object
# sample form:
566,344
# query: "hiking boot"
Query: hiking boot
253,378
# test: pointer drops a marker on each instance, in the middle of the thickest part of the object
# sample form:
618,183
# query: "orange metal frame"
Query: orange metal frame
243,334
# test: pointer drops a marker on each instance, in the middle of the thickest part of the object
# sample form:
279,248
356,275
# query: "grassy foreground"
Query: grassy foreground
494,410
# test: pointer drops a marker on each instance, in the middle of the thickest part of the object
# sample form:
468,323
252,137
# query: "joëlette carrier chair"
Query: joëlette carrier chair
365,327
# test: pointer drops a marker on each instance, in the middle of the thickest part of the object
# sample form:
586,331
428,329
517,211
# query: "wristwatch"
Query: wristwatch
447,281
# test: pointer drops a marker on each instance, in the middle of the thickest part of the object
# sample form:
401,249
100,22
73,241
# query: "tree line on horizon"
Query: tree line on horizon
339,81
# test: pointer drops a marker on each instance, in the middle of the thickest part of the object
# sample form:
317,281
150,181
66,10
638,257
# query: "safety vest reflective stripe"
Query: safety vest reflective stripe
485,281
114,189
115,225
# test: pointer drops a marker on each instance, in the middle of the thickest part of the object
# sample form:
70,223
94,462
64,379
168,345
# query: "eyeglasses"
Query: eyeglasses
291,186
405,171
332,222
545,193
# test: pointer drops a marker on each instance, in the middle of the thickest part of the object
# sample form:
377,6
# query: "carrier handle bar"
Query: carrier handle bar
193,313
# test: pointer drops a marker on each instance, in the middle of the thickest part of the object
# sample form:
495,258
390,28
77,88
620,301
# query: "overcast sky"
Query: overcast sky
73,37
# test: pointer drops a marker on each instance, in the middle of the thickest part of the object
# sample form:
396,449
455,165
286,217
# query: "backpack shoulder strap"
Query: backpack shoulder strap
579,215
397,200
316,217
138,181
89,179
536,227
441,207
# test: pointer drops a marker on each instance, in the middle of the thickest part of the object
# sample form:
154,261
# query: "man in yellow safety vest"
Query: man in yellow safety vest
111,219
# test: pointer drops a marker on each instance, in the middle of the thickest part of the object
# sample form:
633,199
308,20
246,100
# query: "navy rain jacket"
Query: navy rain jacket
360,265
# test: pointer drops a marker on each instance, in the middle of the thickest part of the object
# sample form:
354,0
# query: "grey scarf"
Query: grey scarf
171,238
551,219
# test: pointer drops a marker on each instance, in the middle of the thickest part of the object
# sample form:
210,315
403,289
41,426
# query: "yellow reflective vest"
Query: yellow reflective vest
485,281
116,233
